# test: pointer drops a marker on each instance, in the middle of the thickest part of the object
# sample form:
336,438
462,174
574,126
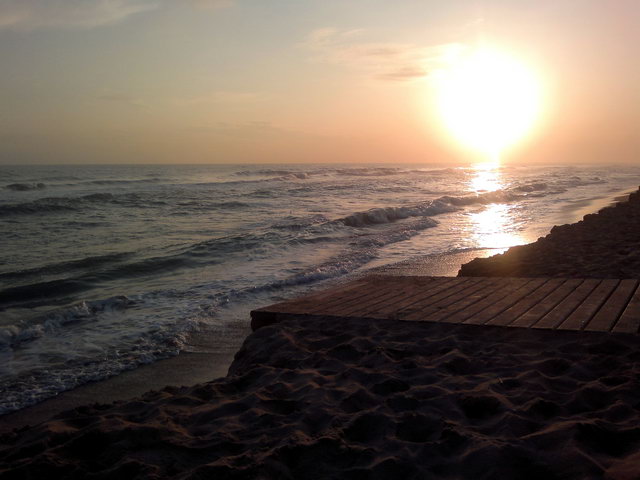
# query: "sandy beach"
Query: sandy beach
367,400
381,399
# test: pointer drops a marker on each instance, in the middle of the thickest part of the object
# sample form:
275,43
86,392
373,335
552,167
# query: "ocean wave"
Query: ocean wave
64,267
378,216
223,246
444,204
35,294
231,204
152,342
312,240
267,171
196,207
23,187
293,176
369,171
204,205
577,181
132,199
146,267
497,196
124,182
77,203
34,208
62,290
363,249
456,172
532,187
12,336
298,223
395,171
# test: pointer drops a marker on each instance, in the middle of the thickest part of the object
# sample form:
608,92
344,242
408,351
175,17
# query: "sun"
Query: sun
488,100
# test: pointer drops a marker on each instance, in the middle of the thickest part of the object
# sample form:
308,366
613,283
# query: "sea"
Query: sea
105,268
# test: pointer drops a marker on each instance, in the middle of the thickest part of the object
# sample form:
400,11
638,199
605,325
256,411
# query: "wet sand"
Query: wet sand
206,359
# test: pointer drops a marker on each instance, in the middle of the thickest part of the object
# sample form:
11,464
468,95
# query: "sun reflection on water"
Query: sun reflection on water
486,177
494,226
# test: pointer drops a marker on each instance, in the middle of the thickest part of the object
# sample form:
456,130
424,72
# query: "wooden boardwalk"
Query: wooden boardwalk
605,305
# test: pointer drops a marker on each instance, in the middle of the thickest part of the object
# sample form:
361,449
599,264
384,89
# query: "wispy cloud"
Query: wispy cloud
382,60
34,14
121,98
253,130
37,14
222,97
210,4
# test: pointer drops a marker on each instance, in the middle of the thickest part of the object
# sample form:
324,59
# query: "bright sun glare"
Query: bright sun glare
488,100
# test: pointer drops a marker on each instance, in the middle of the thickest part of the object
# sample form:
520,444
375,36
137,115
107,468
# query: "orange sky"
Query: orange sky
228,81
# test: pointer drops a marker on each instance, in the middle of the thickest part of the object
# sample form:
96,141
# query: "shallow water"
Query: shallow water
104,268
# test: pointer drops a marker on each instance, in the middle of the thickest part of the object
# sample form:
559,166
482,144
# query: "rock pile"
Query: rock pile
602,245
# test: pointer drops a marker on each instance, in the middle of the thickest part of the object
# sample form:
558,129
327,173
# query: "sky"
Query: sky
279,81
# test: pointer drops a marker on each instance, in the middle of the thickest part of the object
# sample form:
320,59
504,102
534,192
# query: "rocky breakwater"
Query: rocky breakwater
602,245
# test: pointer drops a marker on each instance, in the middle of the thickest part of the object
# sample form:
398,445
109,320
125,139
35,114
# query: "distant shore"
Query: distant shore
372,399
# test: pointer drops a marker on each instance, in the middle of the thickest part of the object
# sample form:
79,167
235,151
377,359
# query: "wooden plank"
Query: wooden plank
538,311
608,315
489,286
512,314
312,298
452,290
395,288
392,293
581,316
385,308
561,311
364,294
390,309
324,299
630,319
424,309
505,287
494,308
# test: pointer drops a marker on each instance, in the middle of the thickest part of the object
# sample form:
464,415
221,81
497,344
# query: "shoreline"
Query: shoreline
576,211
364,399
193,367
199,364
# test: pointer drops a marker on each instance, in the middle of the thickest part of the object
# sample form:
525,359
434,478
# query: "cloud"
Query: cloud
121,98
252,130
386,61
222,97
34,14
403,73
210,4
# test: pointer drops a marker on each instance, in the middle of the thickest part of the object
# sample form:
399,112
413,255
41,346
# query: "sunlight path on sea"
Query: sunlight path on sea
494,226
